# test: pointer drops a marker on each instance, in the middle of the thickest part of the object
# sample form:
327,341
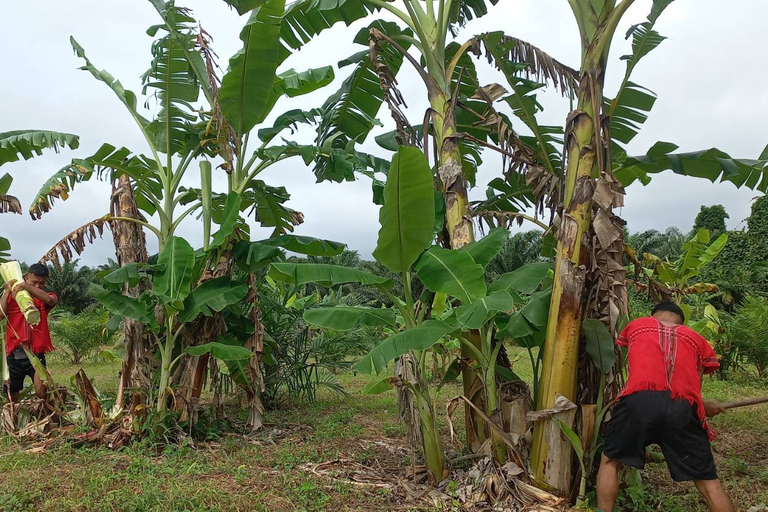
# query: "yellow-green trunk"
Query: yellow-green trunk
561,348
460,233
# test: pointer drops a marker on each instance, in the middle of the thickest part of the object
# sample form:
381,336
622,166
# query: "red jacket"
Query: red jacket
37,338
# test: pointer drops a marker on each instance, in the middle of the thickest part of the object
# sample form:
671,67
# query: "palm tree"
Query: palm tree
71,283
520,249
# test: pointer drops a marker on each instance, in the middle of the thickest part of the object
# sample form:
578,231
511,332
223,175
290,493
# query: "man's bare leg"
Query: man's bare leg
40,389
713,492
608,483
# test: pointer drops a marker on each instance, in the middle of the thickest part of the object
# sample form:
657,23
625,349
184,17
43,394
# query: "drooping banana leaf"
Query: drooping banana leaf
306,245
107,163
474,316
123,306
213,295
418,338
220,351
485,249
177,259
712,164
294,83
526,279
29,143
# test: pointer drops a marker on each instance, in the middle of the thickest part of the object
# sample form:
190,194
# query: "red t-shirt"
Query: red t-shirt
37,338
668,358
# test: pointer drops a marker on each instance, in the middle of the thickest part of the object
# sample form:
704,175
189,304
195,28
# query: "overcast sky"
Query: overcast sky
708,75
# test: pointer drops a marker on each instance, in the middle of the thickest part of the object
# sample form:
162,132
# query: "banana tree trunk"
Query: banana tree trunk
190,375
131,247
458,225
256,345
586,145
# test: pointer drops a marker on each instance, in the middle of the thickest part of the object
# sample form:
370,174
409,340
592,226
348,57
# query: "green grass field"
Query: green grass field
274,471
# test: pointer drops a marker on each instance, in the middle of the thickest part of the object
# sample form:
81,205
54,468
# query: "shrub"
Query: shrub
80,336
747,330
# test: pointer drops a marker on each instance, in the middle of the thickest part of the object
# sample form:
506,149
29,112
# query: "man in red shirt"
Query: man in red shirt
37,338
662,404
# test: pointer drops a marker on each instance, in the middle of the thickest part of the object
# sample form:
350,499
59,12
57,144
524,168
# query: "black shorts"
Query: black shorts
19,370
652,417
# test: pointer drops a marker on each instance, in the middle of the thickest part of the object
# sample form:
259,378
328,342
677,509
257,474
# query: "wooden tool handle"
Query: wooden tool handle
744,403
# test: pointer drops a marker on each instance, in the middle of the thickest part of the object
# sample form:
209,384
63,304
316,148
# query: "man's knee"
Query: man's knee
611,463
709,487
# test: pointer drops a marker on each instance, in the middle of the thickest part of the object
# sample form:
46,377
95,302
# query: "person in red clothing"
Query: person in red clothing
37,338
662,404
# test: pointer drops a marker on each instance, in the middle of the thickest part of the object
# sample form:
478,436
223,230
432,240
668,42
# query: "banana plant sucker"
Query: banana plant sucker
585,145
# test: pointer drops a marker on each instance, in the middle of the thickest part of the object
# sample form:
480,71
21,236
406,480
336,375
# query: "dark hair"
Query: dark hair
38,269
670,307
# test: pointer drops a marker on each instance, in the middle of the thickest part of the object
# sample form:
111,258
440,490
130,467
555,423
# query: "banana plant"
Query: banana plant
405,247
462,118
182,73
674,280
571,172
173,291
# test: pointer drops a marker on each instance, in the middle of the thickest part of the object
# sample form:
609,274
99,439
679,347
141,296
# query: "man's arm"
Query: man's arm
7,291
37,293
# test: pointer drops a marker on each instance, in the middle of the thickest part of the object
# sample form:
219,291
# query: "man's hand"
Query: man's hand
9,286
713,408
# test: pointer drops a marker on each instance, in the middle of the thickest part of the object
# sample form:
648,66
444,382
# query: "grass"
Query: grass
740,449
273,472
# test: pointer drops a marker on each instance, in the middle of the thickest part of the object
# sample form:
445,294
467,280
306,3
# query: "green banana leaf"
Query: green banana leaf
213,295
231,216
474,316
344,318
418,338
407,216
177,258
711,164
220,351
123,306
451,272
526,279
245,88
29,143
599,344
324,275
485,249
306,245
